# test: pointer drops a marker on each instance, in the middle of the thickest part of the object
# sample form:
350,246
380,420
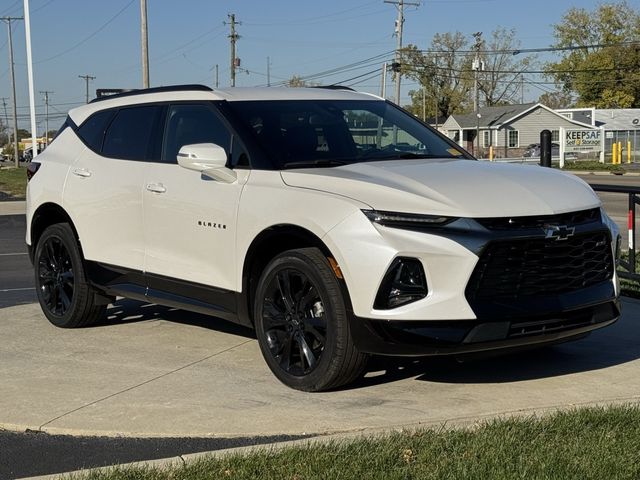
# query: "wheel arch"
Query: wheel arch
265,246
46,215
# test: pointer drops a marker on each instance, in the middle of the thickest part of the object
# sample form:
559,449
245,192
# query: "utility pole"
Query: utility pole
233,37
87,78
399,27
145,43
16,154
477,66
4,106
46,116
437,89
268,72
216,76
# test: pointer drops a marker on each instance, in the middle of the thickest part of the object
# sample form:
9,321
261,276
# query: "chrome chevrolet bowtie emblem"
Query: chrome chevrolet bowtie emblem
558,232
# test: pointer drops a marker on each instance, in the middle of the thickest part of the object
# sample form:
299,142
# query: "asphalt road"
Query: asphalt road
36,453
16,272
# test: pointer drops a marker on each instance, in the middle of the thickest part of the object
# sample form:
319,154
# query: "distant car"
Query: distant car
533,150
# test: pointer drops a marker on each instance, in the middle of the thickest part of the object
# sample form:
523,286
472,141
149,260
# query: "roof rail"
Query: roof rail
142,91
334,87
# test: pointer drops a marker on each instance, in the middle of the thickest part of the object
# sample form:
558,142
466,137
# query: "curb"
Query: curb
13,207
451,424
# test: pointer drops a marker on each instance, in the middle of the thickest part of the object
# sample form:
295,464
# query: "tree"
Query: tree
22,134
438,73
500,83
603,66
296,81
445,73
555,100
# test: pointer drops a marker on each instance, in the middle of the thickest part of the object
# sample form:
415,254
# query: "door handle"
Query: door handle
82,172
156,187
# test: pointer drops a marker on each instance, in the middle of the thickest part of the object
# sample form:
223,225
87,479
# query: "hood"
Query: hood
461,188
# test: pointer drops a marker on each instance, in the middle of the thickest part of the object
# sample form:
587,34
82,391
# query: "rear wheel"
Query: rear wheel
66,298
302,325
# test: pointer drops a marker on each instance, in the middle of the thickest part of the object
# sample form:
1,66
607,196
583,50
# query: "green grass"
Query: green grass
13,183
629,287
592,166
589,443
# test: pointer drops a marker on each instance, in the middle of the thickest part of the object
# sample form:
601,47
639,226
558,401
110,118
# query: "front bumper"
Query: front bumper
415,338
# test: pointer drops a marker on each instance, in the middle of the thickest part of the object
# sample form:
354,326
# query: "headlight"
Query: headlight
406,220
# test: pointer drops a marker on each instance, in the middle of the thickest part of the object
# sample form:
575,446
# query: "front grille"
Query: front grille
534,267
539,221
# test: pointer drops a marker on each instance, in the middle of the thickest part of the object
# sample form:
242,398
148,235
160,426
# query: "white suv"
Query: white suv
333,222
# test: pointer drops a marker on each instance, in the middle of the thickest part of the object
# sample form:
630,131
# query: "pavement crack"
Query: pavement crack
128,389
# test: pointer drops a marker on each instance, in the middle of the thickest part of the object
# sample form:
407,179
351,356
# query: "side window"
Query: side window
129,134
92,130
189,124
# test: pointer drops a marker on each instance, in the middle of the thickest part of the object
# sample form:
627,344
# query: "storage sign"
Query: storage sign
582,140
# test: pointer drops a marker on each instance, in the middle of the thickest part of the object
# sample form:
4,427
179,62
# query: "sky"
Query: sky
188,38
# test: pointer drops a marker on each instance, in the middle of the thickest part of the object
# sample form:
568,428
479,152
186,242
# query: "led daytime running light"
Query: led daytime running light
404,219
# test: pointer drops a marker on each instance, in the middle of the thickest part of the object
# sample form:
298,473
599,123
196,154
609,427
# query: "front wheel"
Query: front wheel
301,323
66,298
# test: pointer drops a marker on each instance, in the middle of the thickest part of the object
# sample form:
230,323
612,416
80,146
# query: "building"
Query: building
509,129
619,125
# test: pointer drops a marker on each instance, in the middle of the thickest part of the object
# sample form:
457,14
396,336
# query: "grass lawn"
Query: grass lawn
629,287
588,443
13,183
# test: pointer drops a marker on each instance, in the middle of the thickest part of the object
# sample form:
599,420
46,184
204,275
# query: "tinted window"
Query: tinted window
92,130
129,133
189,124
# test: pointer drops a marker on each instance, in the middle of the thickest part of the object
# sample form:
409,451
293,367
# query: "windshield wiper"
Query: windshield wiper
399,155
314,163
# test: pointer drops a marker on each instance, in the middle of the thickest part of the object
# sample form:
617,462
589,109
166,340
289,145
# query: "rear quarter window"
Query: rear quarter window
93,129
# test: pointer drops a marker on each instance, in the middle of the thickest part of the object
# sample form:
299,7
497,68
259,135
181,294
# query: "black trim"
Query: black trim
456,337
144,91
119,281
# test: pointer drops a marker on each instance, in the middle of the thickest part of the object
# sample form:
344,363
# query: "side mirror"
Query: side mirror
207,158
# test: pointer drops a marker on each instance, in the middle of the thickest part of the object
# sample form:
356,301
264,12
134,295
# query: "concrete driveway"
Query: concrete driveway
155,371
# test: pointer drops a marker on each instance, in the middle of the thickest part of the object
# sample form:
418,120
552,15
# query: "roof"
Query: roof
80,114
496,117
491,116
618,119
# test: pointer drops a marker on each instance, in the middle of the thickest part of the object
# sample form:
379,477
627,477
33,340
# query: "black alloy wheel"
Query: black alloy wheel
302,323
294,323
65,296
55,274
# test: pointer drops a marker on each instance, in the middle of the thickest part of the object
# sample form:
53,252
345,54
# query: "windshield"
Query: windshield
328,133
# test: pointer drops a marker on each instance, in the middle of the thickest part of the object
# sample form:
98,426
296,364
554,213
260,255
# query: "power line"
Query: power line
517,51
86,39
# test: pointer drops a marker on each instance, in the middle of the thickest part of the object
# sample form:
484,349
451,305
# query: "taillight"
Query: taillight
32,168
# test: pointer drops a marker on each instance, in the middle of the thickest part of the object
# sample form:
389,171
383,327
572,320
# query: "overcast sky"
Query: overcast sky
188,38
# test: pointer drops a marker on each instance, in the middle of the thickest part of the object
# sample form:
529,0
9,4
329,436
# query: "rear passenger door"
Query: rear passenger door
190,219
103,192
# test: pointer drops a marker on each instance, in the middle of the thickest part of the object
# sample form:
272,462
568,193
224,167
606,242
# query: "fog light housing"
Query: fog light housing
404,282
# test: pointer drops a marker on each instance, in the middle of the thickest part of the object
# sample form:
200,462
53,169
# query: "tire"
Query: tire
302,325
66,298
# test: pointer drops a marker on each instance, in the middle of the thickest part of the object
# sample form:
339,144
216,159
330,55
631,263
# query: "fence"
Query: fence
629,266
